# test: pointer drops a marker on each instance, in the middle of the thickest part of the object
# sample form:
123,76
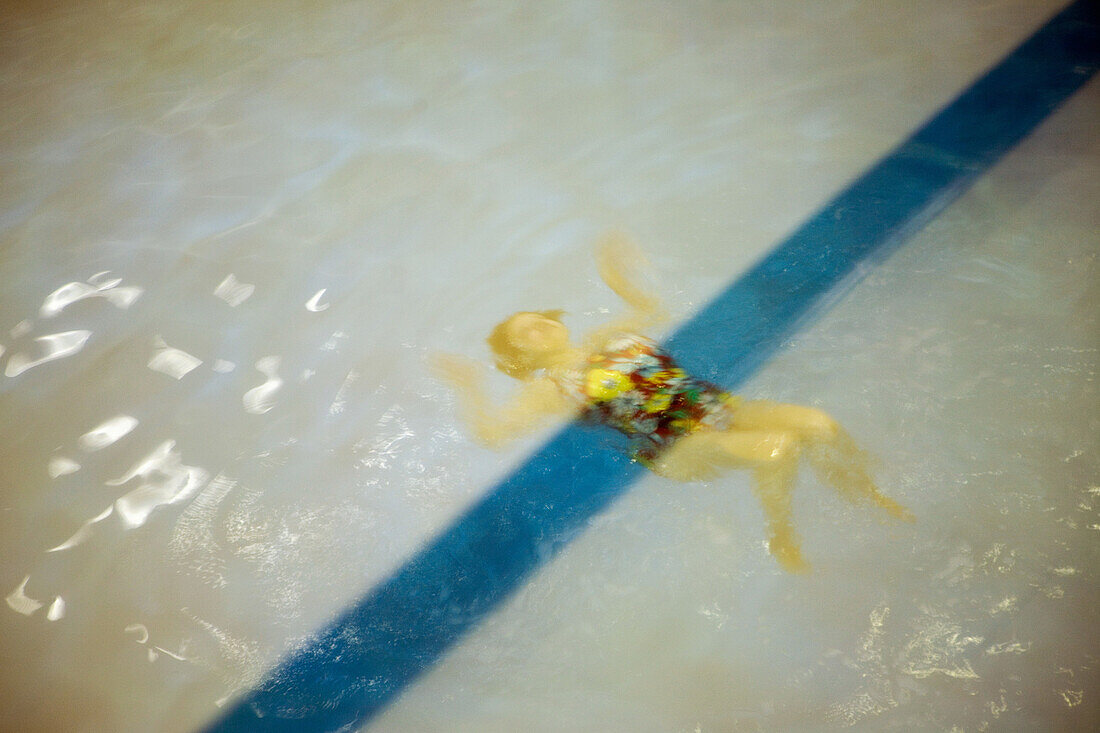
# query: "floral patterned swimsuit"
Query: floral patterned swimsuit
635,387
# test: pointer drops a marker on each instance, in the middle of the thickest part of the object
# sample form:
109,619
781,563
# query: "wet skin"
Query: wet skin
768,438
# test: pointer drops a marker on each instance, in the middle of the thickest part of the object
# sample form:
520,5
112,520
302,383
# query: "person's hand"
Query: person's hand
461,372
618,261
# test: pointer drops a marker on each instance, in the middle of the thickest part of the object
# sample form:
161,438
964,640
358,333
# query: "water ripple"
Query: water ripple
313,304
259,400
233,291
19,602
55,346
166,480
61,466
171,361
70,293
56,609
107,433
84,532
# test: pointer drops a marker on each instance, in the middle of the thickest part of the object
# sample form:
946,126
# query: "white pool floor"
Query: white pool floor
206,460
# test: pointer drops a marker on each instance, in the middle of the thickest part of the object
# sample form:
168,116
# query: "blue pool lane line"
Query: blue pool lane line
351,670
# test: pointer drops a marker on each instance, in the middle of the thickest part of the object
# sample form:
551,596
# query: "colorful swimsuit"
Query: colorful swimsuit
635,387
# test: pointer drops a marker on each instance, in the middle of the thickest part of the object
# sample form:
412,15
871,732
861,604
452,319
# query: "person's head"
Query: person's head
522,342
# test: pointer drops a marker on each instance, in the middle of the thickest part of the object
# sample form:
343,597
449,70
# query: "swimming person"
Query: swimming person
681,427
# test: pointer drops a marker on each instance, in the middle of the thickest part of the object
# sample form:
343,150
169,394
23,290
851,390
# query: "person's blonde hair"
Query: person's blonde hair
510,358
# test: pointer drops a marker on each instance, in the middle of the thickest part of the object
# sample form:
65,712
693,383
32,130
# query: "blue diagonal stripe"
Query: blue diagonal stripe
349,671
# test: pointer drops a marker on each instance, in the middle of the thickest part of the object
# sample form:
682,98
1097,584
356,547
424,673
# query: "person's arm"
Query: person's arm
494,426
615,259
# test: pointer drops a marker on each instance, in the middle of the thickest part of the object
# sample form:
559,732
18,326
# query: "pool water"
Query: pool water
231,235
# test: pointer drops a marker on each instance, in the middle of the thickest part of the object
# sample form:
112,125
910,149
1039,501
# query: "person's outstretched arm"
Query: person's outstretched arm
616,259
495,425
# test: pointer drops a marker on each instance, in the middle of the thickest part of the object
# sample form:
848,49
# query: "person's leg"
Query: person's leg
841,463
773,484
834,455
706,454
773,458
810,423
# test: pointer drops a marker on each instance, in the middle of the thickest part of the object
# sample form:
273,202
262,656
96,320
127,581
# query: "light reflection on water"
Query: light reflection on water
261,399
107,432
174,362
53,346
